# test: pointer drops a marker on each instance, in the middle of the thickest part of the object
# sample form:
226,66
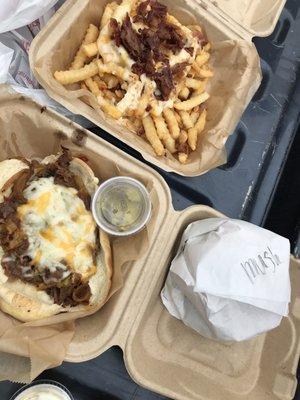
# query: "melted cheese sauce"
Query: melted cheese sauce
122,10
59,228
182,56
109,51
132,96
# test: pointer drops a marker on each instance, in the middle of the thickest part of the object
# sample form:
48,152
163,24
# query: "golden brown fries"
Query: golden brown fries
164,134
186,119
108,13
90,50
196,84
173,121
184,93
183,137
182,157
101,83
152,136
192,102
108,107
76,75
80,57
196,130
92,86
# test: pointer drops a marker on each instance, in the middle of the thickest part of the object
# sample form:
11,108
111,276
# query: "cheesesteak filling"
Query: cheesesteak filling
47,231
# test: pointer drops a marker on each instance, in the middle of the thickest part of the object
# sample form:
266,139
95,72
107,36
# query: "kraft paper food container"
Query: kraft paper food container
29,130
257,18
160,352
166,356
235,62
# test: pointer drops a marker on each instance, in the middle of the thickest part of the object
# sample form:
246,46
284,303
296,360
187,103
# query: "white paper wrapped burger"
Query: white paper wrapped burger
229,280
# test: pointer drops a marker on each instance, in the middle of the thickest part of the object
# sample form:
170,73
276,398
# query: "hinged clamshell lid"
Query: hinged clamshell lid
248,17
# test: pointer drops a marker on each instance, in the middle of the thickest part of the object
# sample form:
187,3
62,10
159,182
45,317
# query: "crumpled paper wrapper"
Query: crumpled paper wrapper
26,349
229,280
235,63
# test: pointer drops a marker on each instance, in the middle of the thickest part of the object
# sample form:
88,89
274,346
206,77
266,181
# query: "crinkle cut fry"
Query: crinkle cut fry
76,75
110,85
80,57
202,58
164,134
171,122
151,135
108,13
93,87
192,102
186,119
109,108
90,50
196,130
114,69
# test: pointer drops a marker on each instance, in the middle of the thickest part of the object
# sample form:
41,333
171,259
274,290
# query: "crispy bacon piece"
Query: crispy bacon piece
183,148
141,11
190,50
202,39
131,40
157,14
116,35
170,37
150,38
151,44
137,68
178,69
158,55
164,82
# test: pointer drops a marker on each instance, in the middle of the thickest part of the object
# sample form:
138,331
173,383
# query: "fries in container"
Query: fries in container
147,71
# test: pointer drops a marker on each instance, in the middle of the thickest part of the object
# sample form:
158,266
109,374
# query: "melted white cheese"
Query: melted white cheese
59,228
109,51
121,11
180,57
161,105
118,55
132,96
126,59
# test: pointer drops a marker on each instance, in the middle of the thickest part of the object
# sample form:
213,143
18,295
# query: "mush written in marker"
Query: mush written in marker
261,264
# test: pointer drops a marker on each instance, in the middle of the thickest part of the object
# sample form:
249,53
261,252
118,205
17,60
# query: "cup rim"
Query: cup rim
146,196
42,382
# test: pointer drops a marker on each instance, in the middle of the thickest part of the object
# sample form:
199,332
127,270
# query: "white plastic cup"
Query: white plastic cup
36,389
110,184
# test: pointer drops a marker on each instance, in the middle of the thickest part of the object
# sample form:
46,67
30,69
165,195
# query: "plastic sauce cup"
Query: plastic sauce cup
121,206
43,390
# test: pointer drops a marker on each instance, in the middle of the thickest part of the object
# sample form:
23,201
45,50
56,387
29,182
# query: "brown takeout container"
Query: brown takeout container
160,352
230,26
